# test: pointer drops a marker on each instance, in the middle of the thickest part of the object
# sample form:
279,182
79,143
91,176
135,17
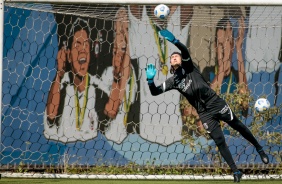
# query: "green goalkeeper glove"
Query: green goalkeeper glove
150,73
168,36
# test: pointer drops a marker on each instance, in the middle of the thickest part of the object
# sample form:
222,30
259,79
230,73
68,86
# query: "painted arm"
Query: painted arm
241,66
121,64
54,96
224,50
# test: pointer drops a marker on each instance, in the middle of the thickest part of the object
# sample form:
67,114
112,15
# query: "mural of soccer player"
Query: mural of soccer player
263,44
160,120
70,112
121,107
225,43
222,51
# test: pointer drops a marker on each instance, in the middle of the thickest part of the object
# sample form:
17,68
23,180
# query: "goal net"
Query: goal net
75,97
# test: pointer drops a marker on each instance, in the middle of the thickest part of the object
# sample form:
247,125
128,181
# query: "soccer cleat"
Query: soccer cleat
263,156
237,176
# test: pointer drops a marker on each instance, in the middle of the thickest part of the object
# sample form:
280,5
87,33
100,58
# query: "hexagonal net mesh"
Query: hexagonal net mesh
75,89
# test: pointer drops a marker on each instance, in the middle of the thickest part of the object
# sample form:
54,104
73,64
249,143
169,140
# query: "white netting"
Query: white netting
53,118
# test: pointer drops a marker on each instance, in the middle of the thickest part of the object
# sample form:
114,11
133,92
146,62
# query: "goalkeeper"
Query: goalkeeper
188,80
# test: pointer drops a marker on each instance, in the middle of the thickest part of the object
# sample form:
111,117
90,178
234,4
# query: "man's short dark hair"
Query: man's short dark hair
176,53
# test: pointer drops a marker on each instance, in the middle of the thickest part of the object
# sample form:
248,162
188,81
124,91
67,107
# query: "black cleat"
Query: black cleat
237,176
263,156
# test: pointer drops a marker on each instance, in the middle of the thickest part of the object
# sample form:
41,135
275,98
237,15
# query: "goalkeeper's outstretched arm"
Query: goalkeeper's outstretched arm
184,51
156,90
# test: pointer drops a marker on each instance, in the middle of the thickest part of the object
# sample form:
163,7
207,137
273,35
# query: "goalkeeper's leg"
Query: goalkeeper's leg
223,112
213,128
219,139
236,124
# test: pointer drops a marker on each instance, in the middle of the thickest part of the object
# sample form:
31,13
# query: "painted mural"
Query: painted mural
76,86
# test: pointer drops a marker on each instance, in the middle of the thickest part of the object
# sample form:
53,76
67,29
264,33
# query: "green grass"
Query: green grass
84,181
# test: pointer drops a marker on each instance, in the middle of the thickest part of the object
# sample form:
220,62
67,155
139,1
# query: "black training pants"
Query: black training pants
220,110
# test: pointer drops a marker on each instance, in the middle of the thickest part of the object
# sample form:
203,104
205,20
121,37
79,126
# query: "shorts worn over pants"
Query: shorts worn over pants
216,111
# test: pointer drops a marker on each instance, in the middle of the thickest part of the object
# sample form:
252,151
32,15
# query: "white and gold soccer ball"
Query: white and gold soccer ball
162,11
262,105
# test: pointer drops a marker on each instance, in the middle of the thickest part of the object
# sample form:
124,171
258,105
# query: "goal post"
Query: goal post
1,59
75,93
179,2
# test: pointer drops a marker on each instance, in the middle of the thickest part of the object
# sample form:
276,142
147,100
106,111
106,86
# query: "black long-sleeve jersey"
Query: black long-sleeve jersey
188,80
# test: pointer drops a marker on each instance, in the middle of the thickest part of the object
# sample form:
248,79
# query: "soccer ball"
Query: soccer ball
161,11
262,105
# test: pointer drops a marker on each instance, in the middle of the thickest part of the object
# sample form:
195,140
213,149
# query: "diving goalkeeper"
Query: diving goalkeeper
188,80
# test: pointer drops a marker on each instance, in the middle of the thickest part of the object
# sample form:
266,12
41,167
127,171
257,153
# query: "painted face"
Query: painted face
175,60
80,53
224,37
